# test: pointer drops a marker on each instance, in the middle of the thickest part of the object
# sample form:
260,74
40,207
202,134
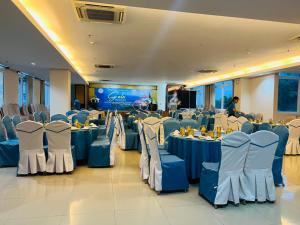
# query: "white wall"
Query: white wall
256,95
241,89
36,96
11,83
60,91
261,90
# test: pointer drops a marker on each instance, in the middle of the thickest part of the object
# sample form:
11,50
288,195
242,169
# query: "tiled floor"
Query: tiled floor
118,196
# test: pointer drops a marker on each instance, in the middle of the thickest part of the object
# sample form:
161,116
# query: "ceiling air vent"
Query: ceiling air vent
295,38
104,66
97,12
207,71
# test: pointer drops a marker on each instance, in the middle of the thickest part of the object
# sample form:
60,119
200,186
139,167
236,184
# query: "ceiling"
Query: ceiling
21,44
159,41
272,10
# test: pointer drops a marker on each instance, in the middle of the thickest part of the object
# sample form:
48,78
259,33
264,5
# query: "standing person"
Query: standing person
231,109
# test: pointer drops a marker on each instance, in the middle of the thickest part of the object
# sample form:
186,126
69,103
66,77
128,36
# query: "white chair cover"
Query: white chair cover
224,121
59,147
154,123
122,135
258,182
259,116
233,123
241,121
161,130
144,159
94,114
187,114
234,149
32,155
155,176
114,142
292,146
108,122
218,121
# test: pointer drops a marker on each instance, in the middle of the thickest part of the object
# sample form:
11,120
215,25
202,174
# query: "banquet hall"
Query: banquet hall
150,112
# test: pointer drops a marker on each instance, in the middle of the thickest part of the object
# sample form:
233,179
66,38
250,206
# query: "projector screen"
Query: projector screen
123,97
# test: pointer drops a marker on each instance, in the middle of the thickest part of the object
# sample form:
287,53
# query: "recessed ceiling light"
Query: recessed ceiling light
33,63
92,42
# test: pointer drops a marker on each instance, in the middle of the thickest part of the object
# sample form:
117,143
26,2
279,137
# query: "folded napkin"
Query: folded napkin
209,138
176,132
74,128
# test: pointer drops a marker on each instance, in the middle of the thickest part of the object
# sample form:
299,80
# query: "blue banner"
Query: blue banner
123,98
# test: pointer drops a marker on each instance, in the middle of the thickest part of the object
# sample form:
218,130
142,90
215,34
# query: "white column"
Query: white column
161,96
11,83
60,91
36,96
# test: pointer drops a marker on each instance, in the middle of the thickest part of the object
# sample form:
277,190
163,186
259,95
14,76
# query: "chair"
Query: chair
189,122
265,126
106,117
32,155
154,115
233,123
9,149
203,121
224,121
10,130
36,117
71,112
128,139
247,127
57,117
85,112
220,182
107,123
241,120
218,121
144,158
77,104
16,120
102,150
258,183
250,116
80,117
259,116
292,146
3,134
141,115
283,134
43,117
167,172
161,129
59,147
152,122
169,126
25,113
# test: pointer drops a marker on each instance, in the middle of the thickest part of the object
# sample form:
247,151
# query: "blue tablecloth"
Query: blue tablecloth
82,140
9,153
194,152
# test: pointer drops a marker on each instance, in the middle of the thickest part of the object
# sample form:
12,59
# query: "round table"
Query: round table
194,152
